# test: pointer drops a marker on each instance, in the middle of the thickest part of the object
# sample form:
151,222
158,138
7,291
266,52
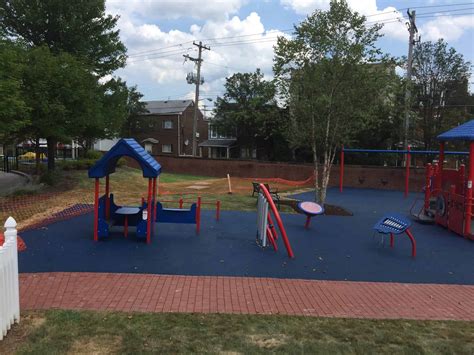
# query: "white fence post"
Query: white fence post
9,285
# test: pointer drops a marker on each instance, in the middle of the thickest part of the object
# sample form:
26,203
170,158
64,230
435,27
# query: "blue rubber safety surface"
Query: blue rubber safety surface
334,248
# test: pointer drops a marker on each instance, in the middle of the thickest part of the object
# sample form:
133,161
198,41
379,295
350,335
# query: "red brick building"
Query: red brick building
167,128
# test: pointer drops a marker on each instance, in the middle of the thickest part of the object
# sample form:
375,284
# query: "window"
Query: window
213,132
167,148
168,124
149,147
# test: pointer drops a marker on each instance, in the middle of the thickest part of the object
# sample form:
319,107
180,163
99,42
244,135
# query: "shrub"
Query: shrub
50,178
92,155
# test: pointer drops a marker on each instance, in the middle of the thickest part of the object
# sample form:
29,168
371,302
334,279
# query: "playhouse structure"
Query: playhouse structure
448,197
106,212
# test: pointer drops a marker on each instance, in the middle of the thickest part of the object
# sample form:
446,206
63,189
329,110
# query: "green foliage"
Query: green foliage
135,109
440,77
334,80
248,108
14,113
80,28
50,178
93,154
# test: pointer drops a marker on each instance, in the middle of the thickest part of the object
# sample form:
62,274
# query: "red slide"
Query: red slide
278,220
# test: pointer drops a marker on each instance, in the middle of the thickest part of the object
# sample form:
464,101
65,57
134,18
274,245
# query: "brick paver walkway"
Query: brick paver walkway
216,294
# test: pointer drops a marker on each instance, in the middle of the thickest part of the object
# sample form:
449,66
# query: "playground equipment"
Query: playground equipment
409,152
308,208
180,215
394,224
448,196
105,209
265,228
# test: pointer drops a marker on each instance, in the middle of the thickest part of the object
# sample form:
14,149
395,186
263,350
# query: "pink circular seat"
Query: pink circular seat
310,208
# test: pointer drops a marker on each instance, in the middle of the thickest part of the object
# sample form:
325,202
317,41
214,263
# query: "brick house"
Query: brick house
167,128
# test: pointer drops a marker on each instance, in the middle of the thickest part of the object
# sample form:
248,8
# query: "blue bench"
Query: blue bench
394,224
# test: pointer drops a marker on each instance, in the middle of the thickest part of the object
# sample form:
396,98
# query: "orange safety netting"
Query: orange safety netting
308,181
20,243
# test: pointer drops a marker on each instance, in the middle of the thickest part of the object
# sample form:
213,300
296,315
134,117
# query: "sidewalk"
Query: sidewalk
217,294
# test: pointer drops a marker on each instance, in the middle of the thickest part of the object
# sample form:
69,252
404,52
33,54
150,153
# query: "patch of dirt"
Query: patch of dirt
97,345
267,341
18,334
333,210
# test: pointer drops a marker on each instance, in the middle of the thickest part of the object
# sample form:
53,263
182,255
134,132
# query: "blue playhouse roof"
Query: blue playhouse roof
464,132
130,148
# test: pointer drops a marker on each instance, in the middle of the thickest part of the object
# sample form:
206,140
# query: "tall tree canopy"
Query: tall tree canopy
80,28
440,77
69,47
249,109
14,112
333,78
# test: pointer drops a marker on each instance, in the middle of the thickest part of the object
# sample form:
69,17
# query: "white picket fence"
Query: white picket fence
9,285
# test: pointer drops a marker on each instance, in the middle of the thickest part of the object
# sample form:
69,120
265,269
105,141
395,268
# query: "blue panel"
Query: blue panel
175,215
464,132
126,147
392,223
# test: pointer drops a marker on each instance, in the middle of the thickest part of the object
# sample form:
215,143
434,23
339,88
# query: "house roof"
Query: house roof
464,132
218,143
151,140
130,148
167,107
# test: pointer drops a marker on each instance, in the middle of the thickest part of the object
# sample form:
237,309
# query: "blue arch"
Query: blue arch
130,148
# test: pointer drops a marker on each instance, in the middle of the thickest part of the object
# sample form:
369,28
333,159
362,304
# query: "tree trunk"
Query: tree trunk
37,155
51,142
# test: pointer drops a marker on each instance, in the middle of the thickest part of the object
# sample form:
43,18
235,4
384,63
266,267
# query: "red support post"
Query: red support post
96,210
407,171
181,202
341,170
439,178
198,215
107,198
391,240
154,204
308,221
149,216
428,187
413,242
468,201
218,210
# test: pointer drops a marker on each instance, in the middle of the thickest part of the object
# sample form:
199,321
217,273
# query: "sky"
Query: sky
241,35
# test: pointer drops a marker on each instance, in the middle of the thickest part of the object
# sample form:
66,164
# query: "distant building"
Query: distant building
219,144
167,128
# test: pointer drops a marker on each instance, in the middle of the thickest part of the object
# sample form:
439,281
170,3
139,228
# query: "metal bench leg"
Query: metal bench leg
413,243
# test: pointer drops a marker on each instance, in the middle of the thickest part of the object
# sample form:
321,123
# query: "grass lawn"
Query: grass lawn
54,331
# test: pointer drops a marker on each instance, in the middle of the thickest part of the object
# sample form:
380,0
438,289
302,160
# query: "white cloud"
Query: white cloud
174,9
447,27
156,60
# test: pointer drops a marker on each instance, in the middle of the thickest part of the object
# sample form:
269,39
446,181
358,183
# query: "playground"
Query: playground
172,249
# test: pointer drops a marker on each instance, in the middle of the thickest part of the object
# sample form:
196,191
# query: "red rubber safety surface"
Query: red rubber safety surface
245,295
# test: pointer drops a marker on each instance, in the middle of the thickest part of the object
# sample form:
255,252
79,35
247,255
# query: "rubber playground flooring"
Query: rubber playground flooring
334,248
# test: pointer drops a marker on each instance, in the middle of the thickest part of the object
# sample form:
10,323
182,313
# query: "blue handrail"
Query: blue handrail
393,151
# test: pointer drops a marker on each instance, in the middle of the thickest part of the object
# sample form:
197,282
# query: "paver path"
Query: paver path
219,294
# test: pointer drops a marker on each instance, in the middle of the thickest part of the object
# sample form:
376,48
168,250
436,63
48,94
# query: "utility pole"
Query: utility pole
197,81
411,42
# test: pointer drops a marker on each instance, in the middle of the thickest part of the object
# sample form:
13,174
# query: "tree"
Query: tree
135,108
60,93
440,76
332,76
249,109
78,36
14,113
80,28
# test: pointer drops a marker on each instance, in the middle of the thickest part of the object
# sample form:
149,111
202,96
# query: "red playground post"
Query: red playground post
198,215
407,172
341,170
96,210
